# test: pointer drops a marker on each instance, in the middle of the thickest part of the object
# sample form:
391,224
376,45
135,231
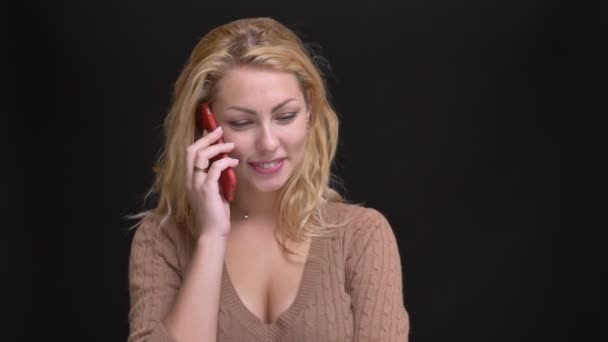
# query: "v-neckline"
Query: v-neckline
258,327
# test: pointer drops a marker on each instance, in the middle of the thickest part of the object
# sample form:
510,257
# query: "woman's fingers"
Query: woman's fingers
202,159
203,156
217,167
192,150
208,139
209,182
205,160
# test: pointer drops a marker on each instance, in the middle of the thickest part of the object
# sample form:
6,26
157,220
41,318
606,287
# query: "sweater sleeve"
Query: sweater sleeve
154,280
375,282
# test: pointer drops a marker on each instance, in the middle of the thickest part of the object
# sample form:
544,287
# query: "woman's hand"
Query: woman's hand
211,210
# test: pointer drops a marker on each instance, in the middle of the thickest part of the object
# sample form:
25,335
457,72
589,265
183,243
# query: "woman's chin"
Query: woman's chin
260,185
267,187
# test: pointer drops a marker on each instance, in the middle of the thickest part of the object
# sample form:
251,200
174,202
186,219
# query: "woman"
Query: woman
287,259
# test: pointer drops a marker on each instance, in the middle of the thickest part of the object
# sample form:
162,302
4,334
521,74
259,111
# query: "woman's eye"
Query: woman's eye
243,123
287,117
240,123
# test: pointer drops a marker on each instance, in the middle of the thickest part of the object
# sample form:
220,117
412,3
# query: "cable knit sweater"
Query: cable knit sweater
351,287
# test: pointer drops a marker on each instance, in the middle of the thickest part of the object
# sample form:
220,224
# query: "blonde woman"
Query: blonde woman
287,259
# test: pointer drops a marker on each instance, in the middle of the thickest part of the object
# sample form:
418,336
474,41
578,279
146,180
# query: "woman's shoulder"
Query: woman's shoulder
154,227
359,228
357,212
355,219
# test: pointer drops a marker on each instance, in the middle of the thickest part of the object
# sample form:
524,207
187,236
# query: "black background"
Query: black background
448,111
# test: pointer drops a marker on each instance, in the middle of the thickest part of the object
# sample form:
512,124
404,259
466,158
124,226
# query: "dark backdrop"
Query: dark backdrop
447,112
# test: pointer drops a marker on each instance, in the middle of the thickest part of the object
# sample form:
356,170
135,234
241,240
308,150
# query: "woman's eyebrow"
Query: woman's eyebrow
253,112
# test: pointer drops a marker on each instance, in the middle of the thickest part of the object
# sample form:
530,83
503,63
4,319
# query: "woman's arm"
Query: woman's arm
375,283
185,311
166,303
194,315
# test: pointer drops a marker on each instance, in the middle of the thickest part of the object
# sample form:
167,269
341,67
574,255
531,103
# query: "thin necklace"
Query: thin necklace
243,216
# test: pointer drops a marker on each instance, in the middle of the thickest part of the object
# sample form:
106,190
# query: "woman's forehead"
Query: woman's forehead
255,85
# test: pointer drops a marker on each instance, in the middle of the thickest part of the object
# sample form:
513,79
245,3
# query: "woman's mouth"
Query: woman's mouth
268,167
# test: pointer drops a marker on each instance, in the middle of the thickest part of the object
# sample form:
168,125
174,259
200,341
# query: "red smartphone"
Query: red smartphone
228,177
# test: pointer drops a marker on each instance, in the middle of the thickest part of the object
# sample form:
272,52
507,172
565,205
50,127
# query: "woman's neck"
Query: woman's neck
261,206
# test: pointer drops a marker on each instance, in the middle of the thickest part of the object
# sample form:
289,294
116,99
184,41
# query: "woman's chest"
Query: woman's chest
317,307
265,278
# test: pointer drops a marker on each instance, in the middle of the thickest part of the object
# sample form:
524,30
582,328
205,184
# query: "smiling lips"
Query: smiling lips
268,167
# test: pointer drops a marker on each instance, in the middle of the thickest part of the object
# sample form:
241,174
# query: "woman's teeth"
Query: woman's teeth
268,165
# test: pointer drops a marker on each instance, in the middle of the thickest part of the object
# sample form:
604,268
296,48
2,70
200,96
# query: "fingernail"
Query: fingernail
219,128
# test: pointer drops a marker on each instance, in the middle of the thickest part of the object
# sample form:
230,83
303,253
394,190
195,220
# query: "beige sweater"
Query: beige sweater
351,287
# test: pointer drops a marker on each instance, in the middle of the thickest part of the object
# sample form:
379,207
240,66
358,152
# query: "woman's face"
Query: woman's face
265,114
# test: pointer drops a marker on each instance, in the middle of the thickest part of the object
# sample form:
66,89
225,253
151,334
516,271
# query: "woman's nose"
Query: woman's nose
267,139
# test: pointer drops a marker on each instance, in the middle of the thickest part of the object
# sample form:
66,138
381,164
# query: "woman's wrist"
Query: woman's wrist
210,241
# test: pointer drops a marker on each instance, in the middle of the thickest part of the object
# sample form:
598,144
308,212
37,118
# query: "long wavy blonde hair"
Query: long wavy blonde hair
260,42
